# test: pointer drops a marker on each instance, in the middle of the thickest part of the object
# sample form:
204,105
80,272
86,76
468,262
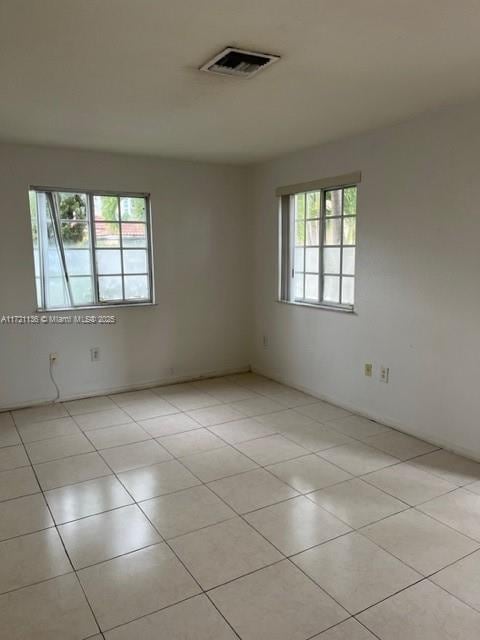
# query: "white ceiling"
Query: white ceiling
122,74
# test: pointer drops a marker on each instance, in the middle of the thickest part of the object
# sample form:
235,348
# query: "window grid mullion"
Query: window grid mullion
340,293
93,241
322,245
121,247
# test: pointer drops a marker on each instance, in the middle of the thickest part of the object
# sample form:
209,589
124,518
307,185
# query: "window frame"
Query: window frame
93,248
287,242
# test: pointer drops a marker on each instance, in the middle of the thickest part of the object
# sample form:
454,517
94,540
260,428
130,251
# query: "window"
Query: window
90,249
318,244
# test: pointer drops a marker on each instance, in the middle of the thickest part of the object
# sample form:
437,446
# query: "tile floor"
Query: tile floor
231,508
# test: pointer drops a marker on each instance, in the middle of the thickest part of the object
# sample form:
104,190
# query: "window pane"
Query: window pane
108,261
331,289
57,295
134,234
313,204
110,287
105,208
311,260
107,234
136,287
72,206
299,262
299,285
312,232
299,233
348,285
331,260
311,287
75,234
133,209
82,290
333,202
78,262
350,201
349,228
300,206
349,261
333,231
135,261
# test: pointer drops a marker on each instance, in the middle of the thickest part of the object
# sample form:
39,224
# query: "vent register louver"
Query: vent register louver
238,62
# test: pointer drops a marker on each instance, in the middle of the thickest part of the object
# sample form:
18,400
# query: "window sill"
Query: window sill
323,305
98,307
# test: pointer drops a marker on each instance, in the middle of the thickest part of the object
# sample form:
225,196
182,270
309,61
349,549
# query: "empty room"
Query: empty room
239,306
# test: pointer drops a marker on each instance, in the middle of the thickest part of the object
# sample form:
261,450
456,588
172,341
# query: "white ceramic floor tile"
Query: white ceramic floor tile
191,400
106,535
102,419
322,411
462,580
59,473
135,585
271,449
257,406
355,571
348,630
224,551
285,420
134,456
186,511
39,414
358,459
218,463
53,610
308,473
400,445
224,391
357,503
190,442
296,524
252,490
358,427
23,515
459,510
409,483
419,541
194,619
117,436
133,397
290,397
13,457
17,482
55,448
169,425
157,480
150,409
87,405
242,430
31,558
217,414
450,467
8,433
86,499
316,437
423,612
277,603
48,429
474,488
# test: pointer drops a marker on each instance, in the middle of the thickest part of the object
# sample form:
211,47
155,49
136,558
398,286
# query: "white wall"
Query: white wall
201,247
418,272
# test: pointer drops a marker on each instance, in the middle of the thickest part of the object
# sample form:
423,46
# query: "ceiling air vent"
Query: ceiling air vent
238,62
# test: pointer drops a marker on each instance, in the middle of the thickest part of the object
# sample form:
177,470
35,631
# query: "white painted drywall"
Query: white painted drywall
201,254
418,271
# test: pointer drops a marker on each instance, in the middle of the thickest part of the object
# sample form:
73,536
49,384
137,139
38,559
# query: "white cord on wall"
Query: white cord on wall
57,398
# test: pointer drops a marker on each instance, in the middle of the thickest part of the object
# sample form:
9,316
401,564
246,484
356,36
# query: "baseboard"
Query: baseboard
147,384
403,428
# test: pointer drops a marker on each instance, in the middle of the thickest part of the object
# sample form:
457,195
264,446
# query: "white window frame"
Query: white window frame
287,243
42,305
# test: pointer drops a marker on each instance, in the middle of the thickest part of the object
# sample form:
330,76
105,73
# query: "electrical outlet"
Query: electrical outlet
368,369
53,357
265,341
95,354
384,374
